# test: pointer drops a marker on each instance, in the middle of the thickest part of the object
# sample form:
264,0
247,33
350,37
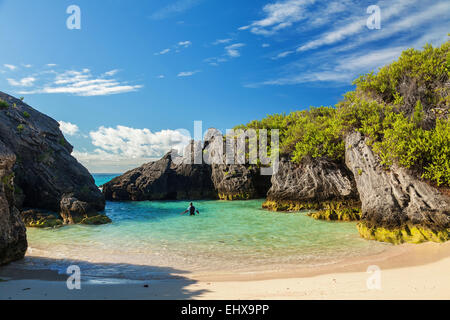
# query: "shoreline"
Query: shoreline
407,272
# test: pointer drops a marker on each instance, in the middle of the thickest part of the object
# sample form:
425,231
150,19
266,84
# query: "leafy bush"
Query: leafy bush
3,105
26,114
403,111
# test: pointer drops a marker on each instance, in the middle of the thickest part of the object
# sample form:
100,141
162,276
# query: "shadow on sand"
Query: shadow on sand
44,278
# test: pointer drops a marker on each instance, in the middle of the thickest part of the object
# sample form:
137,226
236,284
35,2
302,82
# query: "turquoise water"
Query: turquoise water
236,235
102,178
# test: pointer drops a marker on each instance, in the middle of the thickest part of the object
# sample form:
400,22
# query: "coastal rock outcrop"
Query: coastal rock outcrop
46,175
200,173
396,206
13,240
239,182
315,184
164,179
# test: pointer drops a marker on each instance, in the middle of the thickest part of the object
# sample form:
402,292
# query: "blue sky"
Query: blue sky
138,70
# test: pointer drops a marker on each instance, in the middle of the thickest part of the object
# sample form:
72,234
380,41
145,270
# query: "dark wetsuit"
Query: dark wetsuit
192,211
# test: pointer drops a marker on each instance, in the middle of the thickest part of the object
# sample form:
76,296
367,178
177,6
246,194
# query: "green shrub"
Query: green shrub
20,128
3,105
409,127
26,114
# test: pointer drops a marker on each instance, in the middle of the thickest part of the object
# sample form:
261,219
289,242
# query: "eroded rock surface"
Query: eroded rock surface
316,184
46,175
201,173
13,240
396,205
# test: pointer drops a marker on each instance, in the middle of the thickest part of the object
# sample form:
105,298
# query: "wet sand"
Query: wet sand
406,272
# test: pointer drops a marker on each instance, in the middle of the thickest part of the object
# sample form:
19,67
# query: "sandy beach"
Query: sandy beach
406,272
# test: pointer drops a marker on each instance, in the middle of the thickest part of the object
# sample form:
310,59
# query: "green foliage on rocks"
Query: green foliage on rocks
3,105
402,110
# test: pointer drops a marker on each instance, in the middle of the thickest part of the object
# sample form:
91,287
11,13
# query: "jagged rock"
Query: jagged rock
179,177
13,240
45,171
396,206
233,181
239,182
162,180
315,184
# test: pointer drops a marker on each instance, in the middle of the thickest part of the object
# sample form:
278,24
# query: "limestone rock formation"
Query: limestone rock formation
316,184
396,206
200,173
13,240
162,180
46,175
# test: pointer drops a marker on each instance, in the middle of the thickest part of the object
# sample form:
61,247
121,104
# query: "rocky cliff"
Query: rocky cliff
164,179
179,178
13,240
46,175
396,206
316,184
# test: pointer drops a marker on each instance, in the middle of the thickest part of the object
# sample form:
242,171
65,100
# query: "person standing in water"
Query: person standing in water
192,210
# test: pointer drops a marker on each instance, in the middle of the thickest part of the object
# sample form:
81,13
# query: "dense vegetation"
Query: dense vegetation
402,110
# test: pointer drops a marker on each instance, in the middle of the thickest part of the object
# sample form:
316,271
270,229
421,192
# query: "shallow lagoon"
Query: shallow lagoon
226,236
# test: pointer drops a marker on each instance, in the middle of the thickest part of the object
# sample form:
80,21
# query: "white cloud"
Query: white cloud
279,15
138,143
185,44
390,26
335,36
407,23
265,45
24,82
187,73
27,65
161,76
111,73
162,52
283,55
10,67
222,41
344,71
83,83
51,64
232,50
68,128
174,9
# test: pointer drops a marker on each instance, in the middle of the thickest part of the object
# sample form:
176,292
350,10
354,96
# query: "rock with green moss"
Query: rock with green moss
316,184
41,219
290,205
406,233
96,220
338,211
397,206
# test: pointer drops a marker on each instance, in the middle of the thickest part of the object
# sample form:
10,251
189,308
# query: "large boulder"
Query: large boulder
46,175
315,184
200,173
396,206
13,240
164,179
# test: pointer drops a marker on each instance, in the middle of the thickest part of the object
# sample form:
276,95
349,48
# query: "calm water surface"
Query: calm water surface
236,235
